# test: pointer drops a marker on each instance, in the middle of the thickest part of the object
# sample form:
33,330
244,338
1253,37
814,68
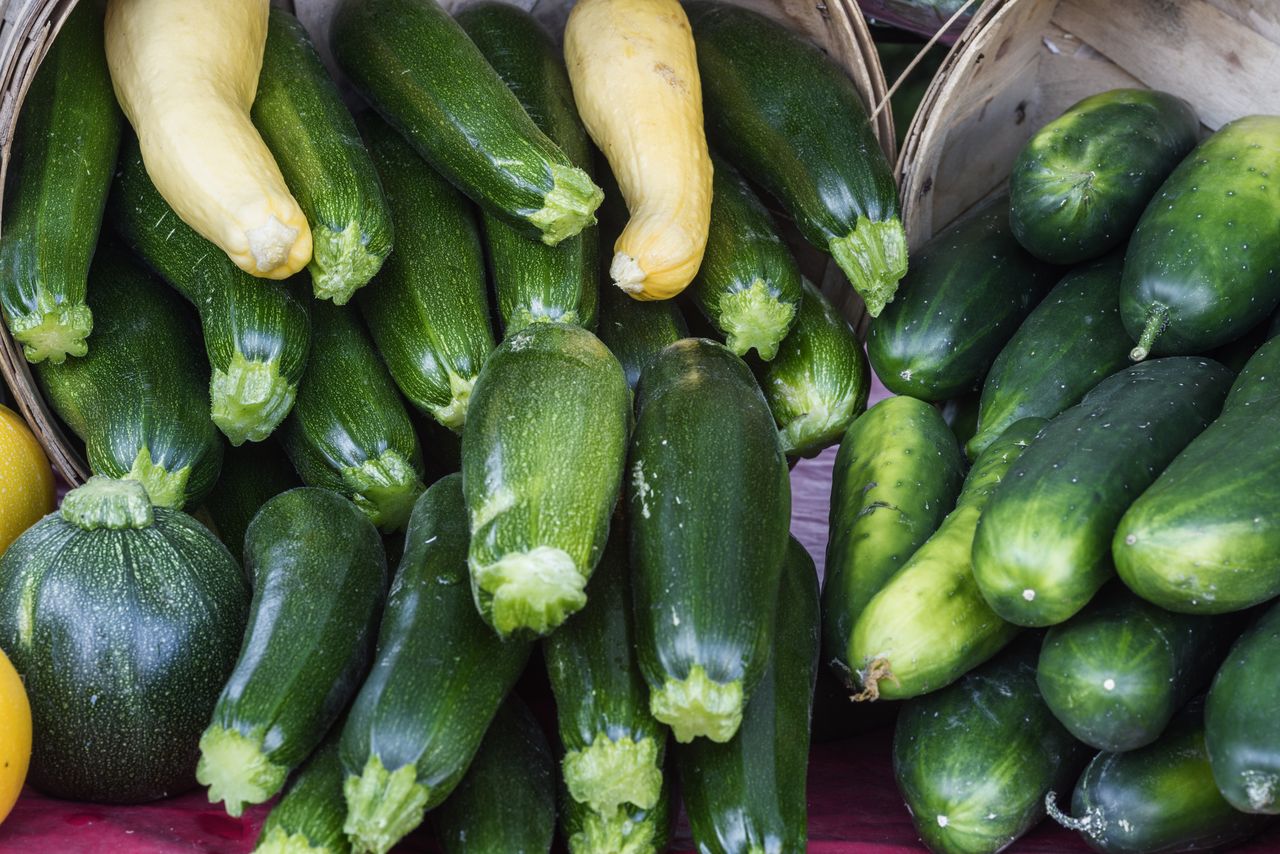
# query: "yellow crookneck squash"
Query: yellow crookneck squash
634,71
185,73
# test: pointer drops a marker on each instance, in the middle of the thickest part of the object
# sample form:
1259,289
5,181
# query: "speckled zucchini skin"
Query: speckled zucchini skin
636,330
308,818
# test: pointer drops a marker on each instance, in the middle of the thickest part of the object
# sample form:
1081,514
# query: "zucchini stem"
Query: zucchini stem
384,489
116,505
53,332
755,318
699,706
615,833
535,590
874,257
249,399
1157,323
277,840
341,262
165,488
236,769
609,773
383,807
569,207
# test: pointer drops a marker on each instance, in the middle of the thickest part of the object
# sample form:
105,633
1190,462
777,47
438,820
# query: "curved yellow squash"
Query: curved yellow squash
634,72
15,735
185,73
26,481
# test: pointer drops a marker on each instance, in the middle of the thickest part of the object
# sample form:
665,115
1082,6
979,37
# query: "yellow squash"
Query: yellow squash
185,72
634,72
26,481
15,735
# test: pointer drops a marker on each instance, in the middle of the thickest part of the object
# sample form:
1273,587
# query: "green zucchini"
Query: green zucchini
968,290
349,431
1203,266
256,334
418,68
896,477
1081,183
137,398
704,556
251,474
428,310
534,281
785,114
506,803
975,760
636,331
819,381
613,746
748,285
308,819
1067,345
439,676
302,119
1204,538
1116,673
629,830
749,793
542,462
318,575
1043,546
929,625
59,172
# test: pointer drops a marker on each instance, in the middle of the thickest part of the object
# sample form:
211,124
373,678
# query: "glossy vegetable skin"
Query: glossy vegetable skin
308,819
251,475
635,332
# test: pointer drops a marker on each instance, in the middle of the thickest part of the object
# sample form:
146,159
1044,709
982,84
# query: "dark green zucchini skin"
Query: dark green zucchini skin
308,819
251,474
1204,538
1203,266
438,678
703,561
428,310
635,331
137,399
534,281
810,144
896,477
1043,546
506,803
975,760
969,289
749,794
59,172
1071,341
1242,731
319,576
1116,673
630,830
1081,183
1160,799
349,431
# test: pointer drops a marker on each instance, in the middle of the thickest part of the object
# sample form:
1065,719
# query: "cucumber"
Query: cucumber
785,114
1043,546
896,477
349,431
709,503
748,285
1081,183
318,575
1237,354
534,281
302,119
59,172
1158,799
819,381
256,335
1116,673
542,462
1203,266
1241,729
506,803
613,746
929,625
749,793
417,67
975,760
630,830
251,474
1204,537
961,415
439,676
428,311
969,289
636,331
137,399
1067,345
308,819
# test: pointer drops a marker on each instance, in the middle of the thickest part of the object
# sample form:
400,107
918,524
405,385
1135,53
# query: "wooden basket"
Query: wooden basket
30,25
1022,63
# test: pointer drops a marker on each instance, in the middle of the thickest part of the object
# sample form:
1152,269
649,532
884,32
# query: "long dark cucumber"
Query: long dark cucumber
1203,266
968,290
1043,546
1081,183
629,830
251,475
896,477
439,677
637,330
704,559
137,398
308,819
1071,341
349,431
749,793
534,281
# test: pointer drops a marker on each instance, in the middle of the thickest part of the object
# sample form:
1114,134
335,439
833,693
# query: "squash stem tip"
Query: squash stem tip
341,262
1080,825
1157,322
607,774
116,505
53,333
279,841
385,489
454,415
249,399
699,706
874,257
531,591
278,250
627,273
236,770
165,488
871,677
383,806
614,833
569,207
754,318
